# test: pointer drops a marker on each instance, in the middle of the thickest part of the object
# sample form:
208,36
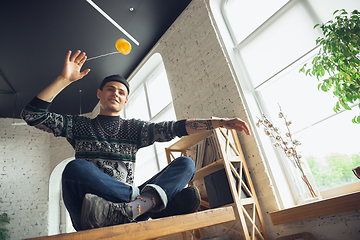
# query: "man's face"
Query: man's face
113,98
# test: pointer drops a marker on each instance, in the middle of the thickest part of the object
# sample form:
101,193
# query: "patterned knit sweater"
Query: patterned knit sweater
113,153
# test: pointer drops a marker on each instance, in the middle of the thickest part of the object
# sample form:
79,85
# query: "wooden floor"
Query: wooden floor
154,228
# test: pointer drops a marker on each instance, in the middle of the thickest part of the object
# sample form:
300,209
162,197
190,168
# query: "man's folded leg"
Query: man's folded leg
173,179
81,177
95,199
186,201
96,212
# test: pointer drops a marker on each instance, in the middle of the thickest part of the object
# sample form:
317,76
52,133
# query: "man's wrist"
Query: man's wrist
49,93
218,123
62,80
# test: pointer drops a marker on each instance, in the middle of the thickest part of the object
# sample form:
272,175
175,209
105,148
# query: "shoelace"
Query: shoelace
117,214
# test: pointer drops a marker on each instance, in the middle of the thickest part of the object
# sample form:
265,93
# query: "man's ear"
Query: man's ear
98,93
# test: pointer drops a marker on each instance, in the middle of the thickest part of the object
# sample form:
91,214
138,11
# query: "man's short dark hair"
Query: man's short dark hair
115,78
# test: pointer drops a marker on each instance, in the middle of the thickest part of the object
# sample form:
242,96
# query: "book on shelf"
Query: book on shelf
207,152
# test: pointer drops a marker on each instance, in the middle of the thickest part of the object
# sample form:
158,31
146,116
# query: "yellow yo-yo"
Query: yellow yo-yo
123,46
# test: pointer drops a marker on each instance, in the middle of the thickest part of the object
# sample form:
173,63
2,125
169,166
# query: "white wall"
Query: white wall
24,178
27,159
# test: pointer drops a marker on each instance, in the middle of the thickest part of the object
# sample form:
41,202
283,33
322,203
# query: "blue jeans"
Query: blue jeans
81,177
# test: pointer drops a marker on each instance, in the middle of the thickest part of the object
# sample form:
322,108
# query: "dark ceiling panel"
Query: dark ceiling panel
35,36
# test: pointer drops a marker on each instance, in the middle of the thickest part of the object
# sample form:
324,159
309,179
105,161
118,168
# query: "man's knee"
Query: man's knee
74,167
186,163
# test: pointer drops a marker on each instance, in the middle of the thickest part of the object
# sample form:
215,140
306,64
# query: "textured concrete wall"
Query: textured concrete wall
27,158
24,179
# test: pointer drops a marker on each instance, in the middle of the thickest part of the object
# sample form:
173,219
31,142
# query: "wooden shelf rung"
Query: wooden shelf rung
247,201
154,228
190,140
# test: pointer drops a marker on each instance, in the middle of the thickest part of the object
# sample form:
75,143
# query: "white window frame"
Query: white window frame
254,105
139,82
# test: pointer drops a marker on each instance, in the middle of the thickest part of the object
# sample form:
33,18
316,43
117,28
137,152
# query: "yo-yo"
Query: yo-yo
123,46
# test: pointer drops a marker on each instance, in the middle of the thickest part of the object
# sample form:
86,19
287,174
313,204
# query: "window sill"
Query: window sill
332,205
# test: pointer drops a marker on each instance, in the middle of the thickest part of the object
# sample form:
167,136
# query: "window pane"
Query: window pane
146,165
280,43
137,106
159,91
326,8
160,150
328,142
159,98
331,149
299,98
167,114
251,15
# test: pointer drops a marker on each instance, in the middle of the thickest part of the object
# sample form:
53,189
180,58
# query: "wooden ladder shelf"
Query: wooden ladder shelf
247,210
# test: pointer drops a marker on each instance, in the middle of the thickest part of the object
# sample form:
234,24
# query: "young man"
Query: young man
98,186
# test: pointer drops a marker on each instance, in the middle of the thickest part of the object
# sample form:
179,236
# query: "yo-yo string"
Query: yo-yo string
104,55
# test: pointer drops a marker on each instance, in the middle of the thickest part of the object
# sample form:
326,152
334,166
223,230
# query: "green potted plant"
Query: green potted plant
337,65
4,219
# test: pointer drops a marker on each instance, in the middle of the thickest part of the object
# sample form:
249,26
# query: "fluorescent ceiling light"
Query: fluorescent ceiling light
112,21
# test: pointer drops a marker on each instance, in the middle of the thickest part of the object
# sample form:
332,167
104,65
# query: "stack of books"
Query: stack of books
207,151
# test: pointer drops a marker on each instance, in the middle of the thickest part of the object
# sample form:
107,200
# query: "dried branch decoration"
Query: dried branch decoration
287,144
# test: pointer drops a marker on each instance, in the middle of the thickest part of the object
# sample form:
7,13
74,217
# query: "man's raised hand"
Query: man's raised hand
70,73
72,66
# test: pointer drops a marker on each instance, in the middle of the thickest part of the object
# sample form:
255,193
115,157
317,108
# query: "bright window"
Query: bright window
159,92
272,42
136,106
246,23
150,99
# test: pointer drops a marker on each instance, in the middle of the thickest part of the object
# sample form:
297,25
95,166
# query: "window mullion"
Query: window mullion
162,111
227,22
256,30
156,157
258,87
147,98
282,161
259,103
